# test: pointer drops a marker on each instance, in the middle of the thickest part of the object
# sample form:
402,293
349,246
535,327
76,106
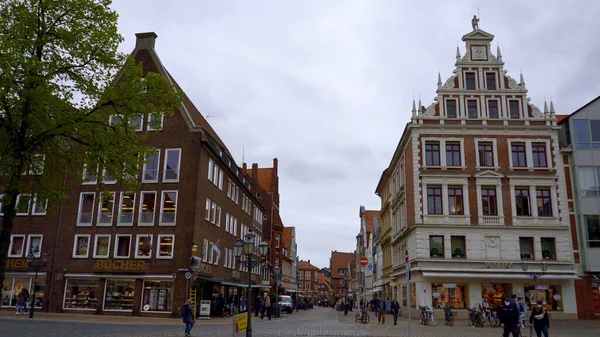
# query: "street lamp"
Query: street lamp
277,276
36,267
246,247
534,276
344,284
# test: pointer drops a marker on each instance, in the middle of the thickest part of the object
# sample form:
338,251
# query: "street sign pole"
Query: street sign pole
407,266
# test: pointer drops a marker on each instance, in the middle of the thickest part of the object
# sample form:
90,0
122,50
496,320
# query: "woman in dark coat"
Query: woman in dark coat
188,316
540,320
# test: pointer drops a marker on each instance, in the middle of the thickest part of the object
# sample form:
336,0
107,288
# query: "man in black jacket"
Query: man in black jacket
508,316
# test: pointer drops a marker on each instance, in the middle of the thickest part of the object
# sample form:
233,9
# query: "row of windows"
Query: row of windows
523,153
17,247
153,122
471,81
142,248
212,254
587,133
212,213
150,170
306,275
458,250
473,109
147,215
455,201
27,204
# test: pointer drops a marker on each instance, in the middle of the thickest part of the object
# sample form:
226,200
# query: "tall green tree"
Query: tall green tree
61,81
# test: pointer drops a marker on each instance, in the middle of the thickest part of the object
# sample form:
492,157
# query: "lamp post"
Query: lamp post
344,287
277,277
534,276
36,267
246,247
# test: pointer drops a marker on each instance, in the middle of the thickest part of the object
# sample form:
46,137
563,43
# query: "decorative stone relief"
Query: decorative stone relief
492,248
512,83
449,82
430,111
536,111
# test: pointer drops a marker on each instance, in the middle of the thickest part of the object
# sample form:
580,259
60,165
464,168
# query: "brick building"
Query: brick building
128,252
324,288
308,281
475,187
580,137
369,219
341,264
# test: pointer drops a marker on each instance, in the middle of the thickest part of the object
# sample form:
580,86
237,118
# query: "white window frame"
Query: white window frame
495,79
210,169
219,214
38,171
28,204
221,173
162,120
112,180
227,217
121,196
479,111
229,188
35,204
167,151
205,251
442,142
111,122
76,240
160,236
11,245
207,206
79,223
137,243
141,204
532,184
162,203
215,178
521,112
141,126
213,213
494,142
237,195
1,204
445,182
116,248
151,181
95,252
112,211
487,108
529,153
457,100
85,173
29,237
211,252
477,84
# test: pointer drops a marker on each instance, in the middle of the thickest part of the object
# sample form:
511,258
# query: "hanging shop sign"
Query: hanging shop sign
120,265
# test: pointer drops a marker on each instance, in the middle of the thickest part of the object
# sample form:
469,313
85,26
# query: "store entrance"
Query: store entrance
495,293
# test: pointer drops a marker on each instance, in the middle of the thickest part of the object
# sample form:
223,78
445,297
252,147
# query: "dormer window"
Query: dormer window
490,81
514,109
472,108
451,108
470,81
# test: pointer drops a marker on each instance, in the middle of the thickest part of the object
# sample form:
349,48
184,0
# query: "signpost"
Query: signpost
240,324
407,266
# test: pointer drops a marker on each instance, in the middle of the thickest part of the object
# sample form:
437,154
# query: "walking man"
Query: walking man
381,312
188,316
395,310
508,315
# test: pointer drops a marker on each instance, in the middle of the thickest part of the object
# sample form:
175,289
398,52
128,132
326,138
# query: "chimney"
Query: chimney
308,261
244,167
145,40
255,172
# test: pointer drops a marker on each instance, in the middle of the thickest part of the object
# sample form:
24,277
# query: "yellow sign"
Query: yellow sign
124,265
240,323
16,264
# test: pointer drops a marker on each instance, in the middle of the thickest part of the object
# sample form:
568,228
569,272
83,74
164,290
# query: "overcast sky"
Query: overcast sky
327,86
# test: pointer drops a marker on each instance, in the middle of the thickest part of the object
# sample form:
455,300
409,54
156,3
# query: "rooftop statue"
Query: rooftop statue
475,22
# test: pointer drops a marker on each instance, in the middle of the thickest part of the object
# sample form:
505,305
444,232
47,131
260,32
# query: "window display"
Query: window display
495,293
82,294
157,296
13,286
550,296
119,295
448,294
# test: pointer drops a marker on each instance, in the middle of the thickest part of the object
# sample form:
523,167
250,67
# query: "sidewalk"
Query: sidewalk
129,320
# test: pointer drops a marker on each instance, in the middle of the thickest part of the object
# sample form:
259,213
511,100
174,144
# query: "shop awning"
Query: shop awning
235,284
121,276
514,276
291,290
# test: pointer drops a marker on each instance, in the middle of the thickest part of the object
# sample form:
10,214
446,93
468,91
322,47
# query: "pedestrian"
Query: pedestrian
268,305
20,301
540,320
522,310
508,315
381,312
395,310
243,304
257,306
27,301
187,312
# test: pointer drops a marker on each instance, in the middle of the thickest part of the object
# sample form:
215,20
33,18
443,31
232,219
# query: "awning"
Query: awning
121,276
515,276
235,284
291,290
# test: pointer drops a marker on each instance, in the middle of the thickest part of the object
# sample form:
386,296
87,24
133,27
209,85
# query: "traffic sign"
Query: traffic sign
406,256
370,266
364,261
188,275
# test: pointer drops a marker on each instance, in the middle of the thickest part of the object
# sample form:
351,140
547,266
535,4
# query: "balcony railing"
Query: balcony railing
147,217
150,175
126,218
491,220
105,218
85,218
167,217
172,174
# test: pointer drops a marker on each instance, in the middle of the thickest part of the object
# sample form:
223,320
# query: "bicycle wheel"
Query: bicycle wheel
451,320
433,320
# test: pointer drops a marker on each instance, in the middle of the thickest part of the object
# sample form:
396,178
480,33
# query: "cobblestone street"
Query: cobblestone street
316,322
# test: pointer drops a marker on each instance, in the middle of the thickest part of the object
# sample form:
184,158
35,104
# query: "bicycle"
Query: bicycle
428,317
449,316
362,315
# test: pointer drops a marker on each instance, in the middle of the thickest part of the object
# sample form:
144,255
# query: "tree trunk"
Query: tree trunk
10,210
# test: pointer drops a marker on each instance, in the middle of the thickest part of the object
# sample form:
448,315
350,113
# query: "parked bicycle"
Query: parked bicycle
489,316
476,318
428,317
449,316
362,315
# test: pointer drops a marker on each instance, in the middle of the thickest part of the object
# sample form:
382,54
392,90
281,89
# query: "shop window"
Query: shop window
122,246
522,202
126,209
514,109
548,248
453,154
101,246
106,208
451,108
34,245
81,246
82,294
518,155
172,162
589,181
13,286
550,295
592,223
495,293
448,295
434,200
143,248
168,208
526,248
470,81
493,109
544,202
458,246
455,200
119,295
436,246
17,243
538,152
166,244
147,208
489,203
23,204
432,153
157,296
490,81
86,209
472,108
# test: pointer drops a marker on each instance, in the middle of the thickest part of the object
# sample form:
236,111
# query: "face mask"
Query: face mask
539,306
506,303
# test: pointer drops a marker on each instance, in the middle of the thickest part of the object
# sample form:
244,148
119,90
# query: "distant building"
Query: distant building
308,281
342,264
364,247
